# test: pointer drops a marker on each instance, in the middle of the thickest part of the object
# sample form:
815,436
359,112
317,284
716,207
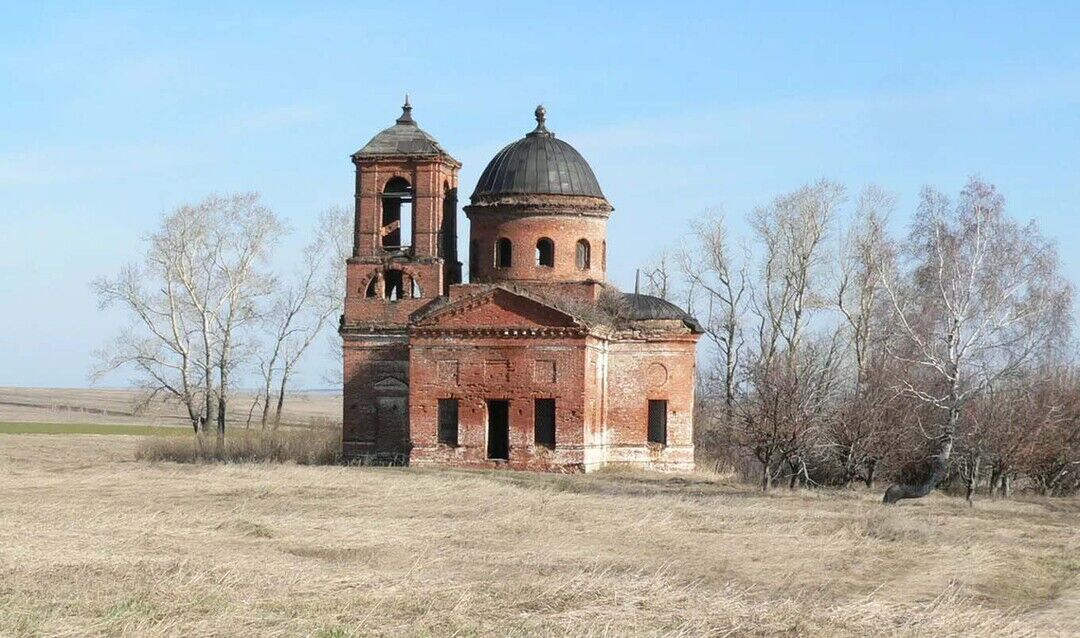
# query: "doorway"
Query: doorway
498,439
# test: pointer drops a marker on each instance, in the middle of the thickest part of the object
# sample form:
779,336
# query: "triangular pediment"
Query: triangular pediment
497,308
390,384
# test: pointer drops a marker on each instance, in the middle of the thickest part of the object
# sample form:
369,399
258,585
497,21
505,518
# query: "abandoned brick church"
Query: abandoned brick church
537,363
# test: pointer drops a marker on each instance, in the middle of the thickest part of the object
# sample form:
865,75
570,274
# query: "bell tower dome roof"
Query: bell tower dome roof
404,139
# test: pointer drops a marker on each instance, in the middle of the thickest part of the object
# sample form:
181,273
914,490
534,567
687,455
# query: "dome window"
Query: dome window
504,253
584,256
545,253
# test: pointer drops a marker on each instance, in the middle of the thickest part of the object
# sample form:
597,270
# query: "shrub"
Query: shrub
303,447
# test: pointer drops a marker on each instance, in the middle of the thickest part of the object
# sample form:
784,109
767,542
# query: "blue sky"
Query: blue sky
114,113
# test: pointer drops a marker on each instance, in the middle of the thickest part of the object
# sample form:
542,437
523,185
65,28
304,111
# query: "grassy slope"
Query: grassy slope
93,543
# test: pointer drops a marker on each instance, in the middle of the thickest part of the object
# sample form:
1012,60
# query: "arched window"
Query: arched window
584,258
374,288
397,214
504,253
545,252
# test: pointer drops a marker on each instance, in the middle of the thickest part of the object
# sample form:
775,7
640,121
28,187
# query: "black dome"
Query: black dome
645,307
538,164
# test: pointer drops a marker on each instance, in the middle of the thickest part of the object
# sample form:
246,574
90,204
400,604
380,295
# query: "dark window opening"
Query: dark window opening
603,255
498,435
504,253
448,421
583,255
544,422
449,230
373,289
395,285
658,422
545,252
397,214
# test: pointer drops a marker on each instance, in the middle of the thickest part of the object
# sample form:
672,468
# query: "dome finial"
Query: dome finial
406,112
541,119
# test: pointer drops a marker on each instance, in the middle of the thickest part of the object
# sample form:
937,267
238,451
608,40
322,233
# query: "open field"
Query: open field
117,407
93,543
92,428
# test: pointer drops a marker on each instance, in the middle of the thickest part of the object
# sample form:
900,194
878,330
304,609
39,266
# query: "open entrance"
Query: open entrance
498,439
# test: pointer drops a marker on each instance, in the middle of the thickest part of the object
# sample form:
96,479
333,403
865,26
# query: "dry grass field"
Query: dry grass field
94,543
117,407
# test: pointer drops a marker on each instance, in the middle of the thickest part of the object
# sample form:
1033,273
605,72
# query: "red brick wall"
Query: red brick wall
430,179
639,370
479,368
524,232
376,372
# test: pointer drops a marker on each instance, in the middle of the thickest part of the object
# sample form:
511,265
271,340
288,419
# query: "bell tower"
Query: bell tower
404,256
405,243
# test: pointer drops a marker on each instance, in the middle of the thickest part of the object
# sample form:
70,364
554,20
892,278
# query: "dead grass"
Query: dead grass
117,406
93,543
315,446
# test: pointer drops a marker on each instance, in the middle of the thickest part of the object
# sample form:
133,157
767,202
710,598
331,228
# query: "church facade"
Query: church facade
537,363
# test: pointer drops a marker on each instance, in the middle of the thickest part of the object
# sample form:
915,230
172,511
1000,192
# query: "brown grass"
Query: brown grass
116,406
93,543
314,446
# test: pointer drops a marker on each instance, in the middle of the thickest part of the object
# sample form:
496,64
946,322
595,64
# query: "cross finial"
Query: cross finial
406,112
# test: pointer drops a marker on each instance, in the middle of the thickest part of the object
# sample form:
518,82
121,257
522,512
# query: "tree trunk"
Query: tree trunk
766,477
939,466
281,397
995,478
973,479
1006,485
223,377
871,465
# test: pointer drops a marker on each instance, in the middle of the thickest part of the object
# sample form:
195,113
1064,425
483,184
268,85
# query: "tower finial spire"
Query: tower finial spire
541,121
406,112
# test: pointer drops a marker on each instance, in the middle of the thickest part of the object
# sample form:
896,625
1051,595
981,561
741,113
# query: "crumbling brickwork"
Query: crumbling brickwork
537,363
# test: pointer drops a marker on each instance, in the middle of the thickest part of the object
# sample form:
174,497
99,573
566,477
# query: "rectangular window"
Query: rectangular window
544,422
658,422
448,421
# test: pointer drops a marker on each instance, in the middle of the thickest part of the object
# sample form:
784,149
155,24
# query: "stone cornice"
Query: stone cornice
499,332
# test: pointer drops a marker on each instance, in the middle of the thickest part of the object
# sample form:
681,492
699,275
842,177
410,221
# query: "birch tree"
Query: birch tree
980,295
189,299
302,309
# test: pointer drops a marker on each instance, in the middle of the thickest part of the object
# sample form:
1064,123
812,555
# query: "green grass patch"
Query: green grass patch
92,428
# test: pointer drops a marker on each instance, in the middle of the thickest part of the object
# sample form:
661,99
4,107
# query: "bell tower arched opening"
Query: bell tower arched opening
397,214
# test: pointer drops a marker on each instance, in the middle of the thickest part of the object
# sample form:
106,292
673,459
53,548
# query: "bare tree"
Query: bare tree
719,291
789,388
335,230
299,312
980,296
659,275
159,346
860,433
202,266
